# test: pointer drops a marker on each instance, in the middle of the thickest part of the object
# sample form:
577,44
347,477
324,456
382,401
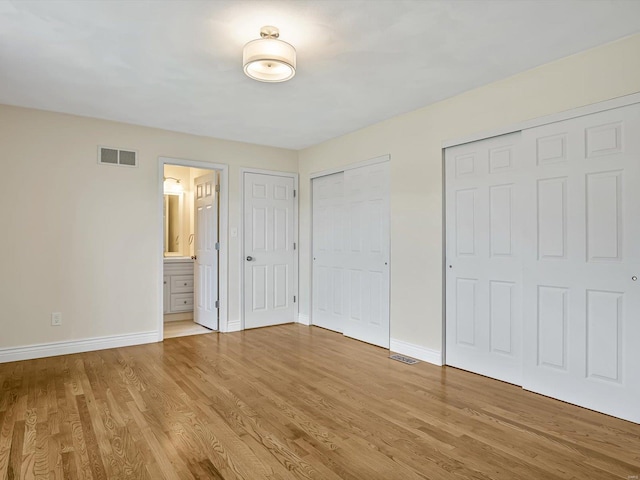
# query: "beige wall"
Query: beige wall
82,238
414,141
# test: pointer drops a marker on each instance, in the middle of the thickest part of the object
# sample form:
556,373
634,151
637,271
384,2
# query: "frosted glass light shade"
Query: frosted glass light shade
172,187
269,60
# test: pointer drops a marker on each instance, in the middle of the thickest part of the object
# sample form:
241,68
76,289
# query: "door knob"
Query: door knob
634,278
249,258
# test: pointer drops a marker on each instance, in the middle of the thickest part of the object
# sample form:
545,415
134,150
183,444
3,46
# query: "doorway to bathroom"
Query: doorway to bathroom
194,258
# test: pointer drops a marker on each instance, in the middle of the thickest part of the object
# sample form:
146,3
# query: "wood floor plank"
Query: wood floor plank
72,426
7,426
159,450
15,457
93,450
290,402
69,469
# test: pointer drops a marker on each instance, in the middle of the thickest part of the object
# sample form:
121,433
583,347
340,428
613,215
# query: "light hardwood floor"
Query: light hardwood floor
290,402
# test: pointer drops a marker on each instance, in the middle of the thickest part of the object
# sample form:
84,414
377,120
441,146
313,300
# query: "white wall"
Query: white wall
81,238
414,142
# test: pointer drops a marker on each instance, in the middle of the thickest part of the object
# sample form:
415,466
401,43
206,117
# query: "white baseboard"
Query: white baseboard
304,319
233,326
14,354
416,351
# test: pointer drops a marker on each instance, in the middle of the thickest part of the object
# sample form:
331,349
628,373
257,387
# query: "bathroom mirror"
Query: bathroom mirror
173,224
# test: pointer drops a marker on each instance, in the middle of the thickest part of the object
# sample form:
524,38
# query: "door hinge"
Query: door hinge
217,245
217,303
294,245
294,299
294,193
217,188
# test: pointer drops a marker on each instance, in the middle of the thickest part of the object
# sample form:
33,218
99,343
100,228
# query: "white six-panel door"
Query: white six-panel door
484,257
351,253
269,254
581,302
205,269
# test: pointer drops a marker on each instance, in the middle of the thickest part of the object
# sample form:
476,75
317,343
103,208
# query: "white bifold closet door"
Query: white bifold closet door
582,293
484,208
351,253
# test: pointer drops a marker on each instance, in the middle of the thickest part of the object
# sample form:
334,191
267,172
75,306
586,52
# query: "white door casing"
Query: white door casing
329,252
484,208
222,172
581,304
351,261
205,311
269,250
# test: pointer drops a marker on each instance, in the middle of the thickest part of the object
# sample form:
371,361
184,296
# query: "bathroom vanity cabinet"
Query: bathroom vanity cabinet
178,285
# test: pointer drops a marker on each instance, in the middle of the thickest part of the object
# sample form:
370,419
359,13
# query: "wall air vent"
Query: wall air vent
115,156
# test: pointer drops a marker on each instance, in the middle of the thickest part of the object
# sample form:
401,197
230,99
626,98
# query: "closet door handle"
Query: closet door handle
249,258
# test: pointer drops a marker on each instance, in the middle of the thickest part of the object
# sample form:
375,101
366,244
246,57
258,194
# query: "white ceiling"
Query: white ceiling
177,65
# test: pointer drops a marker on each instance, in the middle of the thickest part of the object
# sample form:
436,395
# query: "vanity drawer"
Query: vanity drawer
181,283
181,302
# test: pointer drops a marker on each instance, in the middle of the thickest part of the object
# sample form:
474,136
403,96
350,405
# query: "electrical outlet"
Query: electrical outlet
56,319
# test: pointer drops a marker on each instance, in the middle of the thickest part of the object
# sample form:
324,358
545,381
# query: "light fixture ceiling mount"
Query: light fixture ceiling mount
269,59
269,31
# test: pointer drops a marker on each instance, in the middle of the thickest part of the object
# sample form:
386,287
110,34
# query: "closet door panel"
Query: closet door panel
582,304
330,277
484,201
367,201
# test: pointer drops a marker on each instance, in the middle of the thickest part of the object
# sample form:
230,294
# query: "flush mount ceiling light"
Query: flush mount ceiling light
269,59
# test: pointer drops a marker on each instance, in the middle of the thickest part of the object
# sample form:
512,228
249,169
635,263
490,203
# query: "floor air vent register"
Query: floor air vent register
403,359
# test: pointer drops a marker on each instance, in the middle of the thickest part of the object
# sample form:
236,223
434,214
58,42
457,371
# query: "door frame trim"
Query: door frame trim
223,263
241,232
351,166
